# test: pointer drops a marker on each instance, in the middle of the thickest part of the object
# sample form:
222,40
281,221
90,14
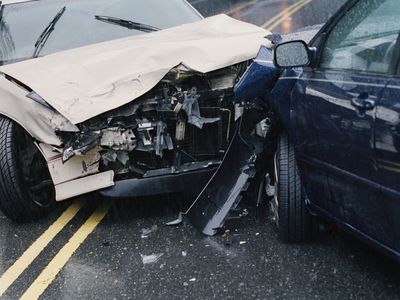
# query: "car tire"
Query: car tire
26,189
291,216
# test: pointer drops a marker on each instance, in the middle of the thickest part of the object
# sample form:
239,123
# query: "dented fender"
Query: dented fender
264,86
258,81
40,121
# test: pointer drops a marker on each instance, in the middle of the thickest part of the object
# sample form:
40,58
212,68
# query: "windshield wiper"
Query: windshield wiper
44,36
1,11
127,24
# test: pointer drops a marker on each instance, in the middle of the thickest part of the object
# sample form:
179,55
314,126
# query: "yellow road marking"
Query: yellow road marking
286,16
389,162
392,169
286,13
239,8
58,262
388,165
281,14
22,263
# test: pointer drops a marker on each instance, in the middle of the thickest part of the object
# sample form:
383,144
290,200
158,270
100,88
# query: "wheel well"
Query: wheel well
3,115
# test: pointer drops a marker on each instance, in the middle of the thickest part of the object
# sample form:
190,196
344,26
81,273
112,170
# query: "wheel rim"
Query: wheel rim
35,174
274,201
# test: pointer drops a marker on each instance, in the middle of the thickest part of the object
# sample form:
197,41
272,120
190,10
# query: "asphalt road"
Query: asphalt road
93,248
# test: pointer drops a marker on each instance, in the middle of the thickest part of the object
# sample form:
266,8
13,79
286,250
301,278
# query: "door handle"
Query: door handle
363,102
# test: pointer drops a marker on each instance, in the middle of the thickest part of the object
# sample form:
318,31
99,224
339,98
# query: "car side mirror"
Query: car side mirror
292,54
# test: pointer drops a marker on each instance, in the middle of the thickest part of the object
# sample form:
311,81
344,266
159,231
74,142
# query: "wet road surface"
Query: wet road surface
246,262
105,249
287,15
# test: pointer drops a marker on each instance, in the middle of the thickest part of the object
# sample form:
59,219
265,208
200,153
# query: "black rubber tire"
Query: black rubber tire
16,201
294,220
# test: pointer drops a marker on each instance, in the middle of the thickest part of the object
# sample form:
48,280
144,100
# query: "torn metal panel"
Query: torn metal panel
85,82
225,188
81,144
84,185
76,167
223,192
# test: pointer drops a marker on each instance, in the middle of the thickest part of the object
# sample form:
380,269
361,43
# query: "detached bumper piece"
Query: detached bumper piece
84,185
224,190
79,175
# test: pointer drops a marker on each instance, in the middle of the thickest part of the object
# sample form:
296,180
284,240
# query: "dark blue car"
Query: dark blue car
338,102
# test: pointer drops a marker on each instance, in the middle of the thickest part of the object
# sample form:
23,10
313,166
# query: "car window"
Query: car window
365,38
21,24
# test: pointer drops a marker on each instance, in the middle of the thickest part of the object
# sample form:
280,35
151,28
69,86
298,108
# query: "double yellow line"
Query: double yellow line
58,262
274,22
237,9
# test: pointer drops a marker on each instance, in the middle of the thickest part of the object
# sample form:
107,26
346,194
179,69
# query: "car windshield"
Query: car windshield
23,23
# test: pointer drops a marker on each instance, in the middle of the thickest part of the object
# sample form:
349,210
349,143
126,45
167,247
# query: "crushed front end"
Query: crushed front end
173,137
201,134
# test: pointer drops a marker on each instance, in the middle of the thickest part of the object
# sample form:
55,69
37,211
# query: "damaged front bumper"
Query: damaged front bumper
225,189
163,184
80,175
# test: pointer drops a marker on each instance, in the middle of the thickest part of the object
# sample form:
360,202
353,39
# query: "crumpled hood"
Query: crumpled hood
85,82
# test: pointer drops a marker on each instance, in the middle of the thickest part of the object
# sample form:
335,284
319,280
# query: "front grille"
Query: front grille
209,141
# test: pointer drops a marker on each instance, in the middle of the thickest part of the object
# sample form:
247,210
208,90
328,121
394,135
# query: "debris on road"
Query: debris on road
178,221
146,232
150,259
244,213
230,239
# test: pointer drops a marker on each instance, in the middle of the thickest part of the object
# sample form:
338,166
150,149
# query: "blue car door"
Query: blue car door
334,107
387,143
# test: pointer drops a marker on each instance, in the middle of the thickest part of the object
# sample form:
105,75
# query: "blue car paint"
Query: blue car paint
387,145
259,79
349,159
280,95
262,85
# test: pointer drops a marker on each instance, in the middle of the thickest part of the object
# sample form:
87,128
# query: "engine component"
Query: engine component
118,139
192,109
180,130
